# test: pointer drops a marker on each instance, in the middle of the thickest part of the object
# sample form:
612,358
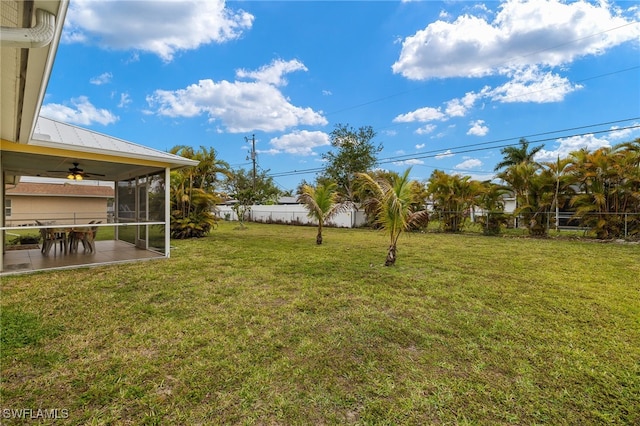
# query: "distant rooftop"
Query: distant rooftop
60,190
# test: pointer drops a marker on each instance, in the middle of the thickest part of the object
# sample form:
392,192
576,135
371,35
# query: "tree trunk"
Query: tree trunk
319,237
391,256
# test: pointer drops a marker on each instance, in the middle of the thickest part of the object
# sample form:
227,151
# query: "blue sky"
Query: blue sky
443,84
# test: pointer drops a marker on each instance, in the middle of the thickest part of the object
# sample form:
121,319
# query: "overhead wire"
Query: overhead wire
463,149
435,153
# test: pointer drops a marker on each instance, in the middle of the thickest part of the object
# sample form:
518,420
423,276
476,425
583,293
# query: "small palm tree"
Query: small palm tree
322,203
392,200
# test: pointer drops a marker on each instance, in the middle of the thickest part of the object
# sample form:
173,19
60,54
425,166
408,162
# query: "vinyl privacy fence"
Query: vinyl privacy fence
292,214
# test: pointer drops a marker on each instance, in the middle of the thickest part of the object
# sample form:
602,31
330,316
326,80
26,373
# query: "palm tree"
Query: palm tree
490,198
608,180
205,174
563,180
520,169
392,200
193,194
191,208
453,196
517,155
322,203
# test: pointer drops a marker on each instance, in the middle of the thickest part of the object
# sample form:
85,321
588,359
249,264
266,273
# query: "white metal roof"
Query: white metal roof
55,134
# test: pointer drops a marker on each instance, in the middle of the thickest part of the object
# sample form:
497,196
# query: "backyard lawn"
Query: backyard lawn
262,326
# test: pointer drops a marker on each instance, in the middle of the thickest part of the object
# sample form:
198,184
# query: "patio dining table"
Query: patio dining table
69,237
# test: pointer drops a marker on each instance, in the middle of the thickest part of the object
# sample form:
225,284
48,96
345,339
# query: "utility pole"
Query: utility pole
253,158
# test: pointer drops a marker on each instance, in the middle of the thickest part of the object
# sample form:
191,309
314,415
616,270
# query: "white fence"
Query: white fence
293,214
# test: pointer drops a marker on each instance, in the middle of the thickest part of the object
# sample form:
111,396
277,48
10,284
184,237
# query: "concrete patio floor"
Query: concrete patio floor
113,251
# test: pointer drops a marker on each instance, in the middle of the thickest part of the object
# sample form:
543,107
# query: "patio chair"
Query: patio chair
91,239
84,235
45,241
51,238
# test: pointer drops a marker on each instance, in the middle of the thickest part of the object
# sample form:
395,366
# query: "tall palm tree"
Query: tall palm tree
520,168
206,174
322,203
558,170
515,155
392,200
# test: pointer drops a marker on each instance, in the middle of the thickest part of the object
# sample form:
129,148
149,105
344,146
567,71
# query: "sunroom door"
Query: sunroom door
142,210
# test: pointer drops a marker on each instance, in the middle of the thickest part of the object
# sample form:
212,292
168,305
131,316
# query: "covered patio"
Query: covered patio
140,218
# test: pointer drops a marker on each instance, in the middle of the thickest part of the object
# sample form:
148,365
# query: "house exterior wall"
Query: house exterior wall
25,209
293,214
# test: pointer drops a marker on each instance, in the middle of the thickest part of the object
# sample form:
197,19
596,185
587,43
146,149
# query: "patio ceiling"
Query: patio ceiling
44,165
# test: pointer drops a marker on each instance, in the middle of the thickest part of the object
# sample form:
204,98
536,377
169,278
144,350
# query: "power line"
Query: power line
462,149
512,144
570,129
434,153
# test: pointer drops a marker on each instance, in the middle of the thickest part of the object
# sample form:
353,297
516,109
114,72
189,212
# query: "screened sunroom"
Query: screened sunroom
133,225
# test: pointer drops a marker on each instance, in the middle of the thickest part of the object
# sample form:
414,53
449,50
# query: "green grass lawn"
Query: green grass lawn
261,326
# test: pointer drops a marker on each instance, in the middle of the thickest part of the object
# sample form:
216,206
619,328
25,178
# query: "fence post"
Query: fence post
625,224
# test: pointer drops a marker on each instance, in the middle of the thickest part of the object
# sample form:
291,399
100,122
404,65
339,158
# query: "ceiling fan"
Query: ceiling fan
76,173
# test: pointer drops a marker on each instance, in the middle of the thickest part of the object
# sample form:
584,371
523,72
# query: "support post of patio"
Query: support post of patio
167,212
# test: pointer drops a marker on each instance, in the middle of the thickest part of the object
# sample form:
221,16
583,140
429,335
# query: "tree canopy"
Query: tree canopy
354,152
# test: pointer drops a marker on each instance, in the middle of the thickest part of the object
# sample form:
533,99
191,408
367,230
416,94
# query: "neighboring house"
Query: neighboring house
48,202
31,145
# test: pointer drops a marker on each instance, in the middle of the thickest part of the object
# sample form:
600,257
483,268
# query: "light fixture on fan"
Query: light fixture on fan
74,176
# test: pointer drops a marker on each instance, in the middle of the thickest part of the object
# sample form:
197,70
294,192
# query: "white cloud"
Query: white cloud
568,145
468,164
159,27
422,115
445,154
273,73
459,107
532,85
478,128
425,130
271,151
625,134
420,145
409,162
125,100
240,106
526,85
300,142
103,78
522,42
523,33
80,112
